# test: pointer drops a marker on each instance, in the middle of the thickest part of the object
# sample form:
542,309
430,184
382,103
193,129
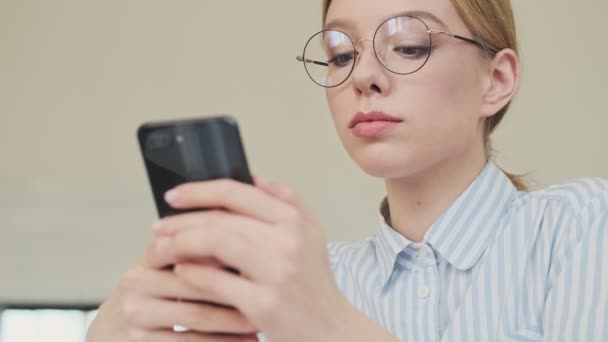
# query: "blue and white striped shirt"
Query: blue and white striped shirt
498,265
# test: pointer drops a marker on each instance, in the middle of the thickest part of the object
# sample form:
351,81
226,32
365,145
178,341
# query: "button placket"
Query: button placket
426,258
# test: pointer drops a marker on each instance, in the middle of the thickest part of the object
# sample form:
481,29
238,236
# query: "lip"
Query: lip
373,124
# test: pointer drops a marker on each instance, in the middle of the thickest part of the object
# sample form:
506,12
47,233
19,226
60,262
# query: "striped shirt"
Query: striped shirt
498,265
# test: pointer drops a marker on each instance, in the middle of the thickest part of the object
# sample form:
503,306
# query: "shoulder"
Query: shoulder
579,194
577,272
565,215
577,199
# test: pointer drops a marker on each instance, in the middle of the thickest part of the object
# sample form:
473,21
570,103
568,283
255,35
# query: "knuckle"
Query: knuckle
173,225
288,193
211,287
268,304
203,283
130,279
130,309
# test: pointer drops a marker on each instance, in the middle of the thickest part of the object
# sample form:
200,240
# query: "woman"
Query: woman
462,252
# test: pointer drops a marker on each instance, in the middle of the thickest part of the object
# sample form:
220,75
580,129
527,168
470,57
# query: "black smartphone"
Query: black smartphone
191,150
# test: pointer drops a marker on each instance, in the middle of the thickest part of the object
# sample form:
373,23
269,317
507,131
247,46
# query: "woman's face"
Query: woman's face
438,106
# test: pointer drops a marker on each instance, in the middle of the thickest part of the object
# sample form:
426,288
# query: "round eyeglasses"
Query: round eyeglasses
401,44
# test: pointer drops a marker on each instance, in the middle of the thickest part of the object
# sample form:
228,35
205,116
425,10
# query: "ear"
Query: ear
503,81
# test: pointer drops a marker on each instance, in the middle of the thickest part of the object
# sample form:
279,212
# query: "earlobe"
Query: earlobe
503,82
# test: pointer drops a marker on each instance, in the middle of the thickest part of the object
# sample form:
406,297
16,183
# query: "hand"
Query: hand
285,286
145,308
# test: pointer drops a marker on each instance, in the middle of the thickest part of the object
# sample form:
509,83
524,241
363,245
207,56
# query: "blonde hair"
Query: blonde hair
492,23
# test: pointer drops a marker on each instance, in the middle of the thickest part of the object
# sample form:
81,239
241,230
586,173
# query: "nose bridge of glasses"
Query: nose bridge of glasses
362,40
359,50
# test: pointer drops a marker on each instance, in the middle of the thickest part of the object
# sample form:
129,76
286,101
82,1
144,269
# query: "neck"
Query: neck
417,201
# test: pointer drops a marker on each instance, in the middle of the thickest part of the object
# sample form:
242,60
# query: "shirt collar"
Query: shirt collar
463,232
466,229
389,243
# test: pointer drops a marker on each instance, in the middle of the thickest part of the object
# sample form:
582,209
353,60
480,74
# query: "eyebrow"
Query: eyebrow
336,23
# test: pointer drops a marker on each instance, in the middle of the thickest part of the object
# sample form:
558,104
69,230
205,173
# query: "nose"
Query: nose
369,76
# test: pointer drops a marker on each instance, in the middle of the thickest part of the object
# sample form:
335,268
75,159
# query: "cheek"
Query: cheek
340,105
447,98
463,82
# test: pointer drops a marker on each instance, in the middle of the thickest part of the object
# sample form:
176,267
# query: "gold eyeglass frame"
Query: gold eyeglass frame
431,32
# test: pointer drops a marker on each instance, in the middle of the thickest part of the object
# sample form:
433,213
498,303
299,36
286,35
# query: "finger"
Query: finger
231,195
168,335
164,285
261,183
152,313
241,248
171,225
157,255
239,292
284,193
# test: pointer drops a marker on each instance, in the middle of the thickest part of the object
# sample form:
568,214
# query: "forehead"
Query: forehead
360,17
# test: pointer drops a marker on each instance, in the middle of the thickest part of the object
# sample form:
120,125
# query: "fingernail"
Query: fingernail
171,195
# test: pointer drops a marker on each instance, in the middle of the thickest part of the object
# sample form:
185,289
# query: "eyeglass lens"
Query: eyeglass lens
401,44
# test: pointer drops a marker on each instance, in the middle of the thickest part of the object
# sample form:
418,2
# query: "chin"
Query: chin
387,164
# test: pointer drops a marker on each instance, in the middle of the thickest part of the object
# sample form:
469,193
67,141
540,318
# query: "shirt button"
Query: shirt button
421,254
424,257
423,291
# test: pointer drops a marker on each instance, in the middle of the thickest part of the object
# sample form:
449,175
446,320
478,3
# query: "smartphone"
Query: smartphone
191,150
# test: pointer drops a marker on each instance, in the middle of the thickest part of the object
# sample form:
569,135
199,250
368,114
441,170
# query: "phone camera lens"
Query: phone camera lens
158,140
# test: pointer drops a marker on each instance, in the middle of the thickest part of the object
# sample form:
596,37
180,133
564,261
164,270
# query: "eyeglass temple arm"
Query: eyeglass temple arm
301,59
469,40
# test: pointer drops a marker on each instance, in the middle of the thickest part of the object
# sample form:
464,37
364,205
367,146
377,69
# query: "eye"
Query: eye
342,59
412,51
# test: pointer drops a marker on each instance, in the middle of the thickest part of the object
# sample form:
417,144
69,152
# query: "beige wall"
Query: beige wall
77,77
